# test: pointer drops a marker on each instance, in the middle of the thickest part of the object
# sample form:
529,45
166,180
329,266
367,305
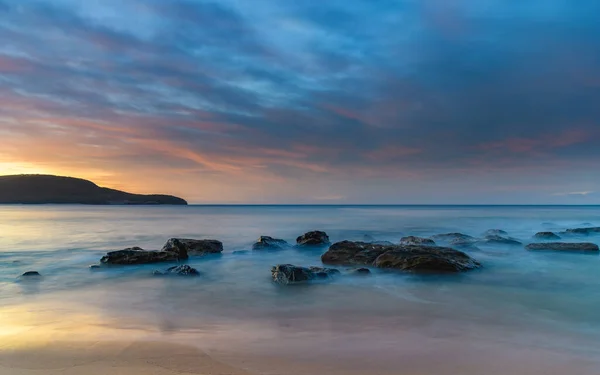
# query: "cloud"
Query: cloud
576,193
216,93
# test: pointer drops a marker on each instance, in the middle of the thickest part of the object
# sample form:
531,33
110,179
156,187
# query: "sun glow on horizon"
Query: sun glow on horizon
15,168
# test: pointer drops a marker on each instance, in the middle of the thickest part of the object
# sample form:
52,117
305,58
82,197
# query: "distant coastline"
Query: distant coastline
49,189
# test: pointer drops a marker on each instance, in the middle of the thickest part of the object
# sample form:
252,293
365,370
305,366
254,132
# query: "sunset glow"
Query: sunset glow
203,100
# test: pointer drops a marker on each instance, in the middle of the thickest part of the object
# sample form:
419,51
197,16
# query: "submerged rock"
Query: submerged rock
182,270
413,240
314,238
289,274
464,243
31,274
193,247
547,236
359,271
495,232
453,237
416,258
499,240
137,255
584,231
95,267
563,246
269,243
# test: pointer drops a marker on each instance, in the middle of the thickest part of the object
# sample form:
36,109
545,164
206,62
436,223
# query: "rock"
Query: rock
464,243
413,240
269,243
426,259
563,246
193,247
584,231
385,243
289,274
182,270
314,238
416,258
495,232
323,273
453,237
499,240
546,236
350,253
360,271
136,255
31,274
95,267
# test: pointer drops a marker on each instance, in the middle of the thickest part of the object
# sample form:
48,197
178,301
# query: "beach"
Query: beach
523,312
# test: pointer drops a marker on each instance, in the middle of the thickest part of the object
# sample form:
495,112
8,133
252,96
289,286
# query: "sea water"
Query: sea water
520,300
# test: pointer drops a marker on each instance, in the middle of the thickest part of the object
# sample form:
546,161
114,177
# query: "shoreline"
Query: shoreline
74,342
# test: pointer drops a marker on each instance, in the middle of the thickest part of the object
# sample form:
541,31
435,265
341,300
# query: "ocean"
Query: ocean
523,312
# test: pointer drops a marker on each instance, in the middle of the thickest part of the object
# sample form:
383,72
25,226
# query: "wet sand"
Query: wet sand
163,358
110,358
64,352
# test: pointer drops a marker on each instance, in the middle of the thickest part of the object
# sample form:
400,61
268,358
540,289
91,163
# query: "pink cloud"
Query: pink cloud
539,145
14,65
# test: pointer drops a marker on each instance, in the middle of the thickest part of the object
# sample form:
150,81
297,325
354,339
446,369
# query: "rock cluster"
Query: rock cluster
414,258
286,274
269,243
182,270
413,240
175,250
314,238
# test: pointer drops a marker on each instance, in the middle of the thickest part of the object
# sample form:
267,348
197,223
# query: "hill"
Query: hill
46,189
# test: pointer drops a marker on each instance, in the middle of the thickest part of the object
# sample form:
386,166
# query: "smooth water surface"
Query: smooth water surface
544,300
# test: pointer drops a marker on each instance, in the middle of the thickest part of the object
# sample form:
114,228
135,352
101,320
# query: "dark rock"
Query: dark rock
371,239
31,274
182,270
426,259
495,232
360,271
499,240
464,243
546,236
413,240
385,243
323,273
289,274
193,247
95,267
314,238
136,255
453,237
269,243
563,246
350,252
416,258
584,231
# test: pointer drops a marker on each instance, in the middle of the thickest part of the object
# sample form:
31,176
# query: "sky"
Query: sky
321,102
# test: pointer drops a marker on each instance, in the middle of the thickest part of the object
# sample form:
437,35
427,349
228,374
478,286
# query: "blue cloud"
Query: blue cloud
374,85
